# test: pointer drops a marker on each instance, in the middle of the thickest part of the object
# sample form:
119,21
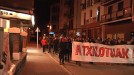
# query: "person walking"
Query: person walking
62,47
50,45
55,45
44,43
79,39
68,50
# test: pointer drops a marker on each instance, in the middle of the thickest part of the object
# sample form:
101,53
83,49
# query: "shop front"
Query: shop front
14,27
121,30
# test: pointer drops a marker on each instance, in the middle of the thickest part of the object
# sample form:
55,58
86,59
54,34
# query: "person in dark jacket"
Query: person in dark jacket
68,49
79,40
55,44
62,47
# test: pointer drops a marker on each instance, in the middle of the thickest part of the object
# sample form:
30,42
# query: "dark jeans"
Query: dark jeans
49,48
44,46
61,57
55,48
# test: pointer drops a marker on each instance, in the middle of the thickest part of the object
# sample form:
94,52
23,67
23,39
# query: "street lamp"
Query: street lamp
49,26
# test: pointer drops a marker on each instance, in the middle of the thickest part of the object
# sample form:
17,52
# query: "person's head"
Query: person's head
63,39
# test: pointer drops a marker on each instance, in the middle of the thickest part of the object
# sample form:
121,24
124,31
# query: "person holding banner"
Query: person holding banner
78,39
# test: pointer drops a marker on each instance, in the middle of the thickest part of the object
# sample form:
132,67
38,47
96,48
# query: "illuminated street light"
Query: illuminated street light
49,26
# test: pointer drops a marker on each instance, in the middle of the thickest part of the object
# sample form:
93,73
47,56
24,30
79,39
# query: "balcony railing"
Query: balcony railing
107,2
93,19
87,21
117,15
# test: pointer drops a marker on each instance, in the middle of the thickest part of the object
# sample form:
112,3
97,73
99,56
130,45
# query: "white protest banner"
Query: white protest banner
93,52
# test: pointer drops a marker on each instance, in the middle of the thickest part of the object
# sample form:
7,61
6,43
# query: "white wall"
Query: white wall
4,23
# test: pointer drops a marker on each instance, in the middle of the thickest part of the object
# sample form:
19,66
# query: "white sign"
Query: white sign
11,14
37,30
7,14
93,52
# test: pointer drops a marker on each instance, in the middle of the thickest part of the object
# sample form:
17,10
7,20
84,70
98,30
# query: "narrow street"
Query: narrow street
39,63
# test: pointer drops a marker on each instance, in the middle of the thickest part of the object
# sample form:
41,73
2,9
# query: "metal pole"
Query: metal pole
37,38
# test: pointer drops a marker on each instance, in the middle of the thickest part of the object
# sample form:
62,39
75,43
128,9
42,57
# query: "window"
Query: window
71,24
91,2
89,33
90,13
120,6
98,14
110,8
88,3
84,18
130,3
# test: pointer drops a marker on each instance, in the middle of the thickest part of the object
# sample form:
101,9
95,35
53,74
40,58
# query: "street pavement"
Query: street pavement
87,68
39,63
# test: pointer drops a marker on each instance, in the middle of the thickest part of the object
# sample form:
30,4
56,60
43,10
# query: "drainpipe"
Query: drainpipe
132,6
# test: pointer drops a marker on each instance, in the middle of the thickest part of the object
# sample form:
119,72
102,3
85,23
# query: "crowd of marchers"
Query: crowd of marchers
107,41
62,46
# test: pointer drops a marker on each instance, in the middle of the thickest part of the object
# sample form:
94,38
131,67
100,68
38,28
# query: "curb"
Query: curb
62,66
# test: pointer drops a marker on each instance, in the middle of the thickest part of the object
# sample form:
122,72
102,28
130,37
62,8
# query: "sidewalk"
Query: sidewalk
39,63
87,68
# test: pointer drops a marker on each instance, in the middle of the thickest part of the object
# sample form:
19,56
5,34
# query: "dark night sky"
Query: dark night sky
42,11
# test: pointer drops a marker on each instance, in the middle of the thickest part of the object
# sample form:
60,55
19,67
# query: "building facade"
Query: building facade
66,16
97,18
54,17
77,18
117,19
90,18
107,19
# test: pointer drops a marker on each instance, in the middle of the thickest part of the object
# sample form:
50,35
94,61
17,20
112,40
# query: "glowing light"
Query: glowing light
50,27
33,22
47,25
23,16
97,12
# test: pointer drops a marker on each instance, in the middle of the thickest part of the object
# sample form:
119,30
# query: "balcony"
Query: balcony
83,5
117,15
108,2
93,19
89,3
87,21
